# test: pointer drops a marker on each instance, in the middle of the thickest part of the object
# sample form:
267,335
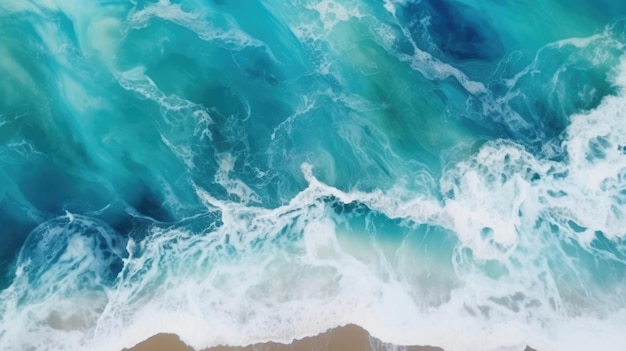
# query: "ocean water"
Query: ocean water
443,172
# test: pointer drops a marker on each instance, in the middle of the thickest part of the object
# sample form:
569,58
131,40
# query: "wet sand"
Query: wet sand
348,338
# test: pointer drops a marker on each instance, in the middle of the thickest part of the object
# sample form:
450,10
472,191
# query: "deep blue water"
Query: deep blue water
444,172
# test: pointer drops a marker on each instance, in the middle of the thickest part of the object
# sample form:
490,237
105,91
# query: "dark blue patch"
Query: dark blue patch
146,201
459,31
12,235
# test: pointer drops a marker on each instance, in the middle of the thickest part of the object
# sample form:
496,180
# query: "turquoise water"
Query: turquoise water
443,172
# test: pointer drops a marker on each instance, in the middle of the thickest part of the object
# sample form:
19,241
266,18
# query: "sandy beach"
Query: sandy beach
348,338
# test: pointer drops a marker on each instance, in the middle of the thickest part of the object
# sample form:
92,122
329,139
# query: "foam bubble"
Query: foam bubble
331,12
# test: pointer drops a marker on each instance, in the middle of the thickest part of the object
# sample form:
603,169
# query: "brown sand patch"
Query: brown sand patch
348,338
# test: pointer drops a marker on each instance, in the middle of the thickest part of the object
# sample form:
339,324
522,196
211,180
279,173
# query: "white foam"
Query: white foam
308,104
332,12
57,310
183,152
490,191
325,29
200,21
234,187
432,68
281,293
389,6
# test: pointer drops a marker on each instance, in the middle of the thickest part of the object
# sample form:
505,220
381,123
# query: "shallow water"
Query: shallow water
448,172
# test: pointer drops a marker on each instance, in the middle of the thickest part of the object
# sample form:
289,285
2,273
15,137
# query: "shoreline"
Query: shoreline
346,338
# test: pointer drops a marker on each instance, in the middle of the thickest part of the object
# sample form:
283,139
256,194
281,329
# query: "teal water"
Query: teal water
443,172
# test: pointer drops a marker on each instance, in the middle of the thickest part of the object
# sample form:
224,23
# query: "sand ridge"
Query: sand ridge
347,338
